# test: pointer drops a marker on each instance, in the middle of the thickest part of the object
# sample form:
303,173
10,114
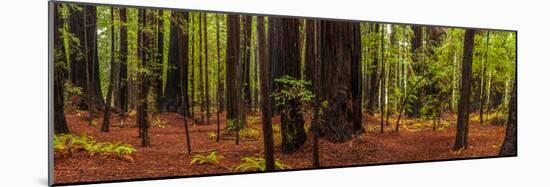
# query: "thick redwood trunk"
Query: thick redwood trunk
418,67
176,98
233,78
285,54
121,98
338,60
465,90
59,122
309,74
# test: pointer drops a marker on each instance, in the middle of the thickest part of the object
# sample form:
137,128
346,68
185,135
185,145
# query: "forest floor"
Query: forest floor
167,156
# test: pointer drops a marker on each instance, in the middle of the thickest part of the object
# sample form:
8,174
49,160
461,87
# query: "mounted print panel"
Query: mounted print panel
145,93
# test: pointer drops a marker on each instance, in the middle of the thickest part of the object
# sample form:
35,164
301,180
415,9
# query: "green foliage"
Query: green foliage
233,125
249,133
160,123
212,158
68,144
71,89
213,135
258,164
291,89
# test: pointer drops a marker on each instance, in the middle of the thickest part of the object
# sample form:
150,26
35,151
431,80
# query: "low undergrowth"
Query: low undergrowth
258,164
68,144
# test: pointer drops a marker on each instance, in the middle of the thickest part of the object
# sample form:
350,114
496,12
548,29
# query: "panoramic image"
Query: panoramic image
145,93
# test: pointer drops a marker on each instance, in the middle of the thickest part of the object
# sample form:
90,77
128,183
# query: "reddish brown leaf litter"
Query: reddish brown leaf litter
167,157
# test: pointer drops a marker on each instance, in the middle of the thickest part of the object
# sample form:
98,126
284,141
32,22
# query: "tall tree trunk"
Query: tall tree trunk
310,53
121,98
484,84
92,53
373,85
176,98
266,101
201,70
418,67
206,89
339,56
77,51
465,89
158,64
382,80
59,122
181,19
510,145
145,44
246,45
285,53
113,70
192,77
83,54
317,102
233,77
219,89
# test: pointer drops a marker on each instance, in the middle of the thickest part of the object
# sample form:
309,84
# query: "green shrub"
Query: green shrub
258,164
212,158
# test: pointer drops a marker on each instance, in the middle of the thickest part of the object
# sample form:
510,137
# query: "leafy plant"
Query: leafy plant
258,164
212,158
233,125
68,144
212,135
292,90
249,133
160,123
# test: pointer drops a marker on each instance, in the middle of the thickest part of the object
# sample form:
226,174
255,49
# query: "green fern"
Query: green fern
258,164
67,144
212,158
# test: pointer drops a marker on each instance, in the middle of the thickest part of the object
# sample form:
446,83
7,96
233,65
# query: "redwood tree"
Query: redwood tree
339,59
235,111
284,51
59,122
121,98
465,89
265,99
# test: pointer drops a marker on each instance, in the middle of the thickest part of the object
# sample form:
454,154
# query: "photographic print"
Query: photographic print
150,93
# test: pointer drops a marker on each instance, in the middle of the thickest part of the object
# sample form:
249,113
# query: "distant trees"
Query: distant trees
461,141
